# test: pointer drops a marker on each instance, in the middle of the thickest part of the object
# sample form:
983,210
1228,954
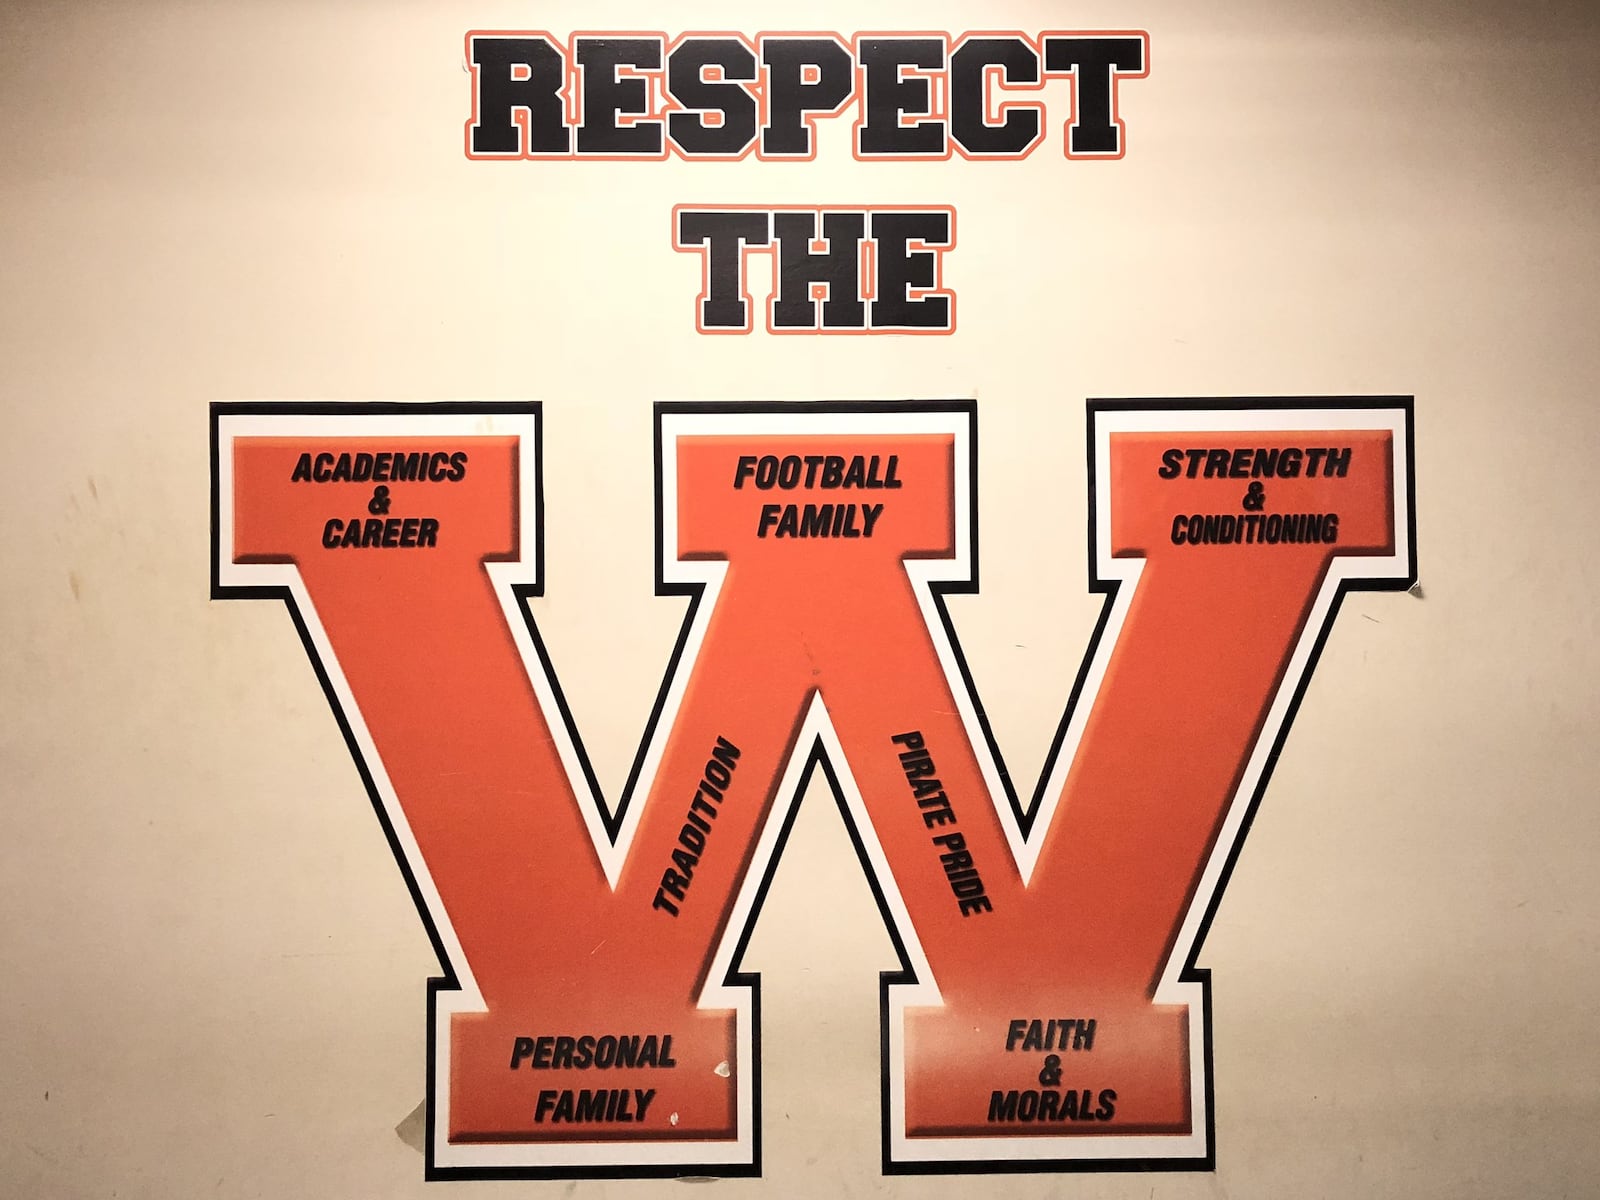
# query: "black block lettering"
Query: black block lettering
1094,64
606,97
837,268
1021,125
901,269
889,98
804,75
733,132
724,236
513,75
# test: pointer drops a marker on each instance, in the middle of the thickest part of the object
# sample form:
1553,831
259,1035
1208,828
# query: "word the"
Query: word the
833,270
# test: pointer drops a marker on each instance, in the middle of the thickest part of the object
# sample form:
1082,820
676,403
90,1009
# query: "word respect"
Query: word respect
720,95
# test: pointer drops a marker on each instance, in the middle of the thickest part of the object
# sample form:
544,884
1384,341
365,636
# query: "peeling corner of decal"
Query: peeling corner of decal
413,1127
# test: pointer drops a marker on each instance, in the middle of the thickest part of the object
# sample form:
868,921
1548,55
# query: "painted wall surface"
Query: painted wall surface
214,974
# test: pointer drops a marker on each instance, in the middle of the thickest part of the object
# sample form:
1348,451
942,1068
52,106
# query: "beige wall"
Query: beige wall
213,978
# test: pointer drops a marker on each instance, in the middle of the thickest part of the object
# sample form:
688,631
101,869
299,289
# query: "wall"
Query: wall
214,974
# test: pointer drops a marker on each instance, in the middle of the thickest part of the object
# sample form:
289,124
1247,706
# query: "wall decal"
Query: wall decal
594,1017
